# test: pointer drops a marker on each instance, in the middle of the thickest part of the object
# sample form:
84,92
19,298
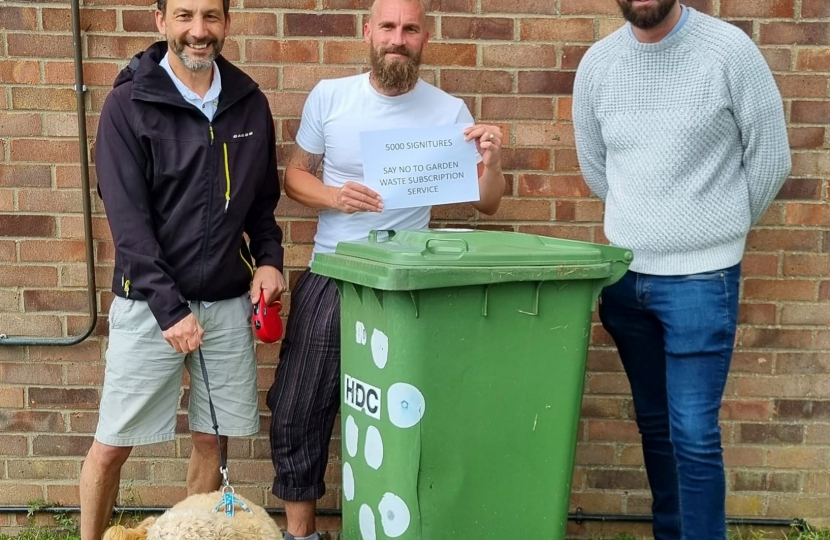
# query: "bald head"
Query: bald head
421,4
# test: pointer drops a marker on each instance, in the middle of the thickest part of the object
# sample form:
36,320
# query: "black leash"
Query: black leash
229,499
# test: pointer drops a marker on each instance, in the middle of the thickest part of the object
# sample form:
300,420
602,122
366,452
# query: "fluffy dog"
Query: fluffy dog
193,519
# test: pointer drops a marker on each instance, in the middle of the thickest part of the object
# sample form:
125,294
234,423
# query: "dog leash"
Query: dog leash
229,499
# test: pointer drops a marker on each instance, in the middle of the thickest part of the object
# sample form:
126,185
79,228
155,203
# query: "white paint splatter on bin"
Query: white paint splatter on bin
380,348
394,515
360,333
367,523
352,435
374,448
348,481
405,404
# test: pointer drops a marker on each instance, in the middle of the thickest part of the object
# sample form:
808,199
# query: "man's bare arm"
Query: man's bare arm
303,186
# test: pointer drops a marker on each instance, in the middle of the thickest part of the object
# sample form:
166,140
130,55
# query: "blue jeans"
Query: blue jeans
675,336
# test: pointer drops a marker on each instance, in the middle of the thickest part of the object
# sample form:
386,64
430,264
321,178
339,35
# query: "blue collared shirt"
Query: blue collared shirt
207,104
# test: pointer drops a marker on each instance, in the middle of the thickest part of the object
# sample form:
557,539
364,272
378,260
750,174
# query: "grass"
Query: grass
743,534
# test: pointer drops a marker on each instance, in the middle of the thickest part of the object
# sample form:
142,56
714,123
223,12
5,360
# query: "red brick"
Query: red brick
23,325
758,8
546,82
20,494
771,434
254,24
778,59
92,20
800,189
807,265
813,60
305,24
617,479
477,28
144,21
519,56
271,50
19,72
803,363
31,374
802,86
97,73
52,251
613,431
27,226
18,18
65,301
450,54
469,81
533,185
40,46
746,410
8,250
519,210
30,421
60,398
12,397
526,159
280,4
756,314
798,458
118,47
791,33
806,137
60,445
546,134
774,338
811,112
537,7
572,55
18,125
815,9
49,99
44,150
504,108
811,164
779,239
557,30
28,276
772,289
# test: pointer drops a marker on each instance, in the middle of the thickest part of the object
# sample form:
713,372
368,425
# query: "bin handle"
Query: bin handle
446,246
373,235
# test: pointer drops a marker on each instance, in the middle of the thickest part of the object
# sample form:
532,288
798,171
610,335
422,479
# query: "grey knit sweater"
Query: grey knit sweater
684,139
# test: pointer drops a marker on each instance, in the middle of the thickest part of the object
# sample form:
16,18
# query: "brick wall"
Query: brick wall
514,62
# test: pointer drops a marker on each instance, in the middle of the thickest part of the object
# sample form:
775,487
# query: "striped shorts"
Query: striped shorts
305,396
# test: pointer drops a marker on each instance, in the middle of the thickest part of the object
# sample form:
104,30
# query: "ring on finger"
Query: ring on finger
492,136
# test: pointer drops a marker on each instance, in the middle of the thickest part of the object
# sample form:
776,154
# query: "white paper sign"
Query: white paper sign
420,166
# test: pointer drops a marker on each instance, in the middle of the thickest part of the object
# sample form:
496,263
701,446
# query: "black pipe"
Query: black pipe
578,517
80,92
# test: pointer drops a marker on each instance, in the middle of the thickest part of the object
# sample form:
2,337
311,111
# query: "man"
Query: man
186,162
680,129
305,396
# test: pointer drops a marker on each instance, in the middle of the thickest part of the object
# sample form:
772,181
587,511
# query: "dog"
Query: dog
194,519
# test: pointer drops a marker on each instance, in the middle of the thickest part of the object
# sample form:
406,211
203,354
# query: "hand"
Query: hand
354,197
269,280
186,335
488,143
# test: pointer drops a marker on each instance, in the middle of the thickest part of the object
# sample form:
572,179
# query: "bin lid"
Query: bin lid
430,258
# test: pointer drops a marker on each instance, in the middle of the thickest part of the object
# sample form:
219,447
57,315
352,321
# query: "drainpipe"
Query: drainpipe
80,91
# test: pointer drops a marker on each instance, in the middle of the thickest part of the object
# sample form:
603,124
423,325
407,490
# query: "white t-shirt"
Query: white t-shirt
335,113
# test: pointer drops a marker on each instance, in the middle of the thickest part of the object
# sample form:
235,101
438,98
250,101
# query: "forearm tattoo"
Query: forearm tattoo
304,161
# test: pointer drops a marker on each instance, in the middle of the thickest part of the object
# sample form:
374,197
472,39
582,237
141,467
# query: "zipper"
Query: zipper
227,179
205,244
126,284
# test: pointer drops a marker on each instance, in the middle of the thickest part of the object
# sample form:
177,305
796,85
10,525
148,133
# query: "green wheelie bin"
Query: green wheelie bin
463,360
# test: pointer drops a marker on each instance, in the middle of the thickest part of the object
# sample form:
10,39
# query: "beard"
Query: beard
399,75
177,47
646,18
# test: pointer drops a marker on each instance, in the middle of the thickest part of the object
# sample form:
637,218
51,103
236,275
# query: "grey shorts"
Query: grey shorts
142,381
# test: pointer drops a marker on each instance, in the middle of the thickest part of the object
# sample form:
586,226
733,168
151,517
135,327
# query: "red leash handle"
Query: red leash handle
266,320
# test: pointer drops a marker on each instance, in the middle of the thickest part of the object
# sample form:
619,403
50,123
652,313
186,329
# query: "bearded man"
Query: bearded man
186,166
305,395
680,130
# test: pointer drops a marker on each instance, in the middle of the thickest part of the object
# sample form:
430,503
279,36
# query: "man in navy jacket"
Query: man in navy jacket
186,165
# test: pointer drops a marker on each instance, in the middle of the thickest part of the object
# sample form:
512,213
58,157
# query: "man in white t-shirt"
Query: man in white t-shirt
305,396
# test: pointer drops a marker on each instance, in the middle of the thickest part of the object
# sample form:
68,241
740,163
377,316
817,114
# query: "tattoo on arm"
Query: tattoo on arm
304,161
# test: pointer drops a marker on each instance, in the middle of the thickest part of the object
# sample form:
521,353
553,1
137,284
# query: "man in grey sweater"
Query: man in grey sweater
680,129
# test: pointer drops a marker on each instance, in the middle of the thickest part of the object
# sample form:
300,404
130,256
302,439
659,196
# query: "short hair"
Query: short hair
226,6
425,5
